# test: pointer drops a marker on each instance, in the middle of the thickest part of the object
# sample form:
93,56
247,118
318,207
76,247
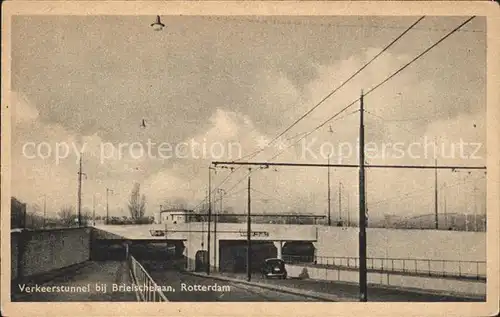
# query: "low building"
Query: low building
173,216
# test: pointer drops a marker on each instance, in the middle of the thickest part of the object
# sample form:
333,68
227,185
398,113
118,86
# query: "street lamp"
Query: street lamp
157,25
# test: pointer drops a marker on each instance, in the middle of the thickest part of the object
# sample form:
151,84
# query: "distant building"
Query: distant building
173,216
17,214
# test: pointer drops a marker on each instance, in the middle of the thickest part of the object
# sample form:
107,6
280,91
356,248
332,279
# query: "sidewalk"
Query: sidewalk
89,277
339,291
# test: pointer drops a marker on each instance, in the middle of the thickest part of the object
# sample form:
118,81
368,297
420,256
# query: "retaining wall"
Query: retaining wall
399,243
41,251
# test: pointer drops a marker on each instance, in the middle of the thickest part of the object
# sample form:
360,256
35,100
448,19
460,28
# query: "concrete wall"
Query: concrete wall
42,251
14,251
394,243
474,288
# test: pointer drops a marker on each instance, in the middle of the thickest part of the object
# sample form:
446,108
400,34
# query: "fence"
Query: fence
436,268
147,289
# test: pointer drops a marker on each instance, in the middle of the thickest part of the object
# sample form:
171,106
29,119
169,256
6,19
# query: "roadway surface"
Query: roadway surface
237,292
165,273
113,272
350,290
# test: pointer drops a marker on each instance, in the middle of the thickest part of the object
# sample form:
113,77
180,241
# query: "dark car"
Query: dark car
274,268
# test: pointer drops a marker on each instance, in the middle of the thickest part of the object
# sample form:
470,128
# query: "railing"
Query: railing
146,287
435,268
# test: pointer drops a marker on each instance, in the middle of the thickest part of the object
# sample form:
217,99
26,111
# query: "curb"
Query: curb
288,290
428,292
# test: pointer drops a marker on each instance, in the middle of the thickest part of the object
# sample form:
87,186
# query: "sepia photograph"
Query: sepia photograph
247,158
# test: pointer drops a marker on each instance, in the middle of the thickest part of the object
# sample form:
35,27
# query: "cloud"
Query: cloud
248,86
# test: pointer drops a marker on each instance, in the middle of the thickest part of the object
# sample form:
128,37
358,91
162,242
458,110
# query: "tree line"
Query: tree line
67,216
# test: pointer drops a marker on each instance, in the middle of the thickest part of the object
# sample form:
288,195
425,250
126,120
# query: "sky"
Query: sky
220,88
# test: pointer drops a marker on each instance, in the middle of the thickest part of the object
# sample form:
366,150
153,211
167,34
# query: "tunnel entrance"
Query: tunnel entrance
108,250
142,250
299,252
152,251
233,255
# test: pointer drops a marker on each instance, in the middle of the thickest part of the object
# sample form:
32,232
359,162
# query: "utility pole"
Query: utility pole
25,216
329,195
249,228
209,215
475,207
348,210
107,205
203,224
436,220
340,204
80,192
216,219
363,287
444,209
467,219
93,209
44,210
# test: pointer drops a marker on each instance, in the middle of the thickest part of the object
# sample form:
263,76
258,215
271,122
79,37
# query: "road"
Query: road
375,294
237,292
186,287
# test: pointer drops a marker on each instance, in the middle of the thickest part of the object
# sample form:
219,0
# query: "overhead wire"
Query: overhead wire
376,86
341,85
369,91
253,154
331,119
384,81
